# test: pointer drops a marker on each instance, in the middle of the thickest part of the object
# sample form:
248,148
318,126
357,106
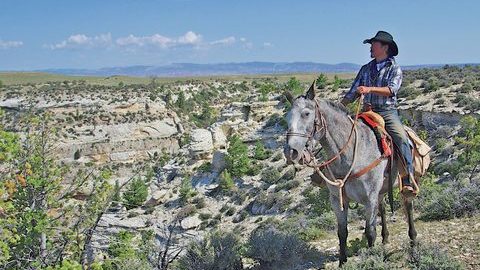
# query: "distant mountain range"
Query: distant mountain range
189,69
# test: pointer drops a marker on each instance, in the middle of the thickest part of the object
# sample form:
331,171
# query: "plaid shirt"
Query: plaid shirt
373,74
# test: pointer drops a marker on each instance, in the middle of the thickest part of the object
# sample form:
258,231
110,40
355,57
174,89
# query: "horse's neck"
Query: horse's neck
338,128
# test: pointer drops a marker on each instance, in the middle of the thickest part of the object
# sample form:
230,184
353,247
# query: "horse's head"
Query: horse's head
303,125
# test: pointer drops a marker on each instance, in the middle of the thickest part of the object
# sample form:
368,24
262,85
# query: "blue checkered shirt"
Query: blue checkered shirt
384,73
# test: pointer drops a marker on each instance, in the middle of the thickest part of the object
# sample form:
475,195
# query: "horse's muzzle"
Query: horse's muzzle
294,157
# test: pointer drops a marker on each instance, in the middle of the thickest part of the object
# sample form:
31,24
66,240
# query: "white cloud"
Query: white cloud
224,41
246,44
83,41
156,41
267,45
7,44
188,39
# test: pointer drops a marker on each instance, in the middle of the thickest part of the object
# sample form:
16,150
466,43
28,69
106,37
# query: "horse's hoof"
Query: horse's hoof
413,243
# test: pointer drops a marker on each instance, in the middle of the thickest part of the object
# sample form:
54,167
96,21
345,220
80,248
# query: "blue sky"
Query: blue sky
92,34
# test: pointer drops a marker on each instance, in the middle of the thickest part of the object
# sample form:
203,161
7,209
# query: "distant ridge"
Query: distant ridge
190,69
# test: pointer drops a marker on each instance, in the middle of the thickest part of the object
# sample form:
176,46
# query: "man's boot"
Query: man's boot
407,189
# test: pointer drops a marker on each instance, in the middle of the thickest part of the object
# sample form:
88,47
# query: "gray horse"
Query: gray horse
306,130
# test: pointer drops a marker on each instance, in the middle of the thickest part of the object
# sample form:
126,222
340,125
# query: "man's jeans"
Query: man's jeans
394,127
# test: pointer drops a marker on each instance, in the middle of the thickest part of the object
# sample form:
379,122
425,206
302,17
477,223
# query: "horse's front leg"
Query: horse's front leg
342,230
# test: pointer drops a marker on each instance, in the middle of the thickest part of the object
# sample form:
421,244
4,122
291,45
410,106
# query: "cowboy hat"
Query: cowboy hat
384,37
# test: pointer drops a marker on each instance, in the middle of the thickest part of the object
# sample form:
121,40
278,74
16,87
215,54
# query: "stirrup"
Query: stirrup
408,190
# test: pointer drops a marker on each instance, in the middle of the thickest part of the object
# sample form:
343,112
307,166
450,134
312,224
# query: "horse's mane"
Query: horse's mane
337,106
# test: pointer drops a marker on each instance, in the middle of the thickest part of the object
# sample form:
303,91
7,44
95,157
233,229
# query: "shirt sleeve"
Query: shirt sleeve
352,93
395,80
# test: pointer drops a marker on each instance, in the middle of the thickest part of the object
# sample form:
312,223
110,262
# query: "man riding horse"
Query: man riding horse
379,81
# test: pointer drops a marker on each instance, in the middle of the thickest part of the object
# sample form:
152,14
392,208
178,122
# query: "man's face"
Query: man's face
377,49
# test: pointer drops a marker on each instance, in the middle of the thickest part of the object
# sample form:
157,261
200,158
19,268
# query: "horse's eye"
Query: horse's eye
306,114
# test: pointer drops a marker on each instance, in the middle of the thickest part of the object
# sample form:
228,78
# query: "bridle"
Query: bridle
319,123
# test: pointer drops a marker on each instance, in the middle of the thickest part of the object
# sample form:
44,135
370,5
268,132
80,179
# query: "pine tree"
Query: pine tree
136,193
238,162
226,180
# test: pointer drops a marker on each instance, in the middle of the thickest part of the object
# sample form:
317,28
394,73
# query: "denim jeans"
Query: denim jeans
394,127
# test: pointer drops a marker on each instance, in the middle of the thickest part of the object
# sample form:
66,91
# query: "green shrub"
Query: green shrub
186,211
205,167
425,257
259,152
219,250
199,202
273,202
186,189
124,253
456,200
306,228
311,233
321,81
136,193
255,168
419,257
287,185
355,245
276,119
295,86
265,89
238,162
278,156
273,249
318,200
226,181
409,93
374,258
270,175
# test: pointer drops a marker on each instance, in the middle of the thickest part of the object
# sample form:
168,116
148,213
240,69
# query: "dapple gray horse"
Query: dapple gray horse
305,131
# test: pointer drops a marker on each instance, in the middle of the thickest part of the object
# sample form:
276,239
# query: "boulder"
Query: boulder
201,144
219,135
191,222
157,197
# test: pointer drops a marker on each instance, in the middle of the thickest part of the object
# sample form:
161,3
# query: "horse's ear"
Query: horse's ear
311,91
289,96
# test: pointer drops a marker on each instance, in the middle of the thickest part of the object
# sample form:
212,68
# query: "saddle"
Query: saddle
376,122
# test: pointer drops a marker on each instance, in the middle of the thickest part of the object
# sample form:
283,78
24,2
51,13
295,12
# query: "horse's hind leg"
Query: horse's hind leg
342,230
412,233
381,207
371,222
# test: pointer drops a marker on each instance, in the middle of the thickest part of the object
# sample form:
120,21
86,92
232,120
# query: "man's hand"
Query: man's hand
363,90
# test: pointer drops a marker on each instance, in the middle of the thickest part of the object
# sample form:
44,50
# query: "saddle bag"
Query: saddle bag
420,151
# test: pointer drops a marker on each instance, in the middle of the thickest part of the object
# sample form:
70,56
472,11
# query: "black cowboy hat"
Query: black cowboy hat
384,37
